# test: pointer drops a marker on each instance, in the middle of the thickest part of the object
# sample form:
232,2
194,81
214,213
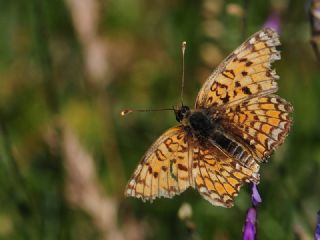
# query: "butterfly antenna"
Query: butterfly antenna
127,111
183,48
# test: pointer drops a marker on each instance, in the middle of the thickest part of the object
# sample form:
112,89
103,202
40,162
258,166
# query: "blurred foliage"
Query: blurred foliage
46,87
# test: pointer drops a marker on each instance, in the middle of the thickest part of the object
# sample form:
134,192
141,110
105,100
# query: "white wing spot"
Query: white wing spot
252,40
203,189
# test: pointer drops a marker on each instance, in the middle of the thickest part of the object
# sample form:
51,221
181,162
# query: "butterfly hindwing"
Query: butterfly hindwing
164,169
218,177
244,73
262,122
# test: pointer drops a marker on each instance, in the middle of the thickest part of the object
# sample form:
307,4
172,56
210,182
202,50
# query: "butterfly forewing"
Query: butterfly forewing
244,73
164,170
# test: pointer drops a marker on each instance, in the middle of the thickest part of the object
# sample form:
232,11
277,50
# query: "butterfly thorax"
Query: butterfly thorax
198,121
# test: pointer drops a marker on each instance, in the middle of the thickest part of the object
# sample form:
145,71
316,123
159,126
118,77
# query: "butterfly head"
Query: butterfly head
181,113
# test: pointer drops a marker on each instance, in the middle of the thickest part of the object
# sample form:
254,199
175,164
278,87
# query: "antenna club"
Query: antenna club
183,46
125,112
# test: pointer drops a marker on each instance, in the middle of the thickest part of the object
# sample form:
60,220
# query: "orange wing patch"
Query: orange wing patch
263,123
218,177
244,73
164,169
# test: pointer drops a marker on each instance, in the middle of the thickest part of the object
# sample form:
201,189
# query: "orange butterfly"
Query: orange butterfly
236,124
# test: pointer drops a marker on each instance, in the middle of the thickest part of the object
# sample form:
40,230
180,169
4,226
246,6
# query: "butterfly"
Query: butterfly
236,123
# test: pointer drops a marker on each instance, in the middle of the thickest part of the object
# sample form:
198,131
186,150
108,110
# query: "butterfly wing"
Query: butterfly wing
164,169
244,73
262,122
219,177
242,86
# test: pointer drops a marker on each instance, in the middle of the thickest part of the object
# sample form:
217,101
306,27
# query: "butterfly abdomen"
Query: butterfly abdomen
231,147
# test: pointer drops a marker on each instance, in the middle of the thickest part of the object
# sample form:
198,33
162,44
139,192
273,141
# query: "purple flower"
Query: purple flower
273,22
317,231
249,232
255,197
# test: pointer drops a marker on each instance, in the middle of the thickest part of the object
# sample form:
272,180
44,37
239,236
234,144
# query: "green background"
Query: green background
66,72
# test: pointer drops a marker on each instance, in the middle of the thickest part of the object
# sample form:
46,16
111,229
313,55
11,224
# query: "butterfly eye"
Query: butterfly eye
184,110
